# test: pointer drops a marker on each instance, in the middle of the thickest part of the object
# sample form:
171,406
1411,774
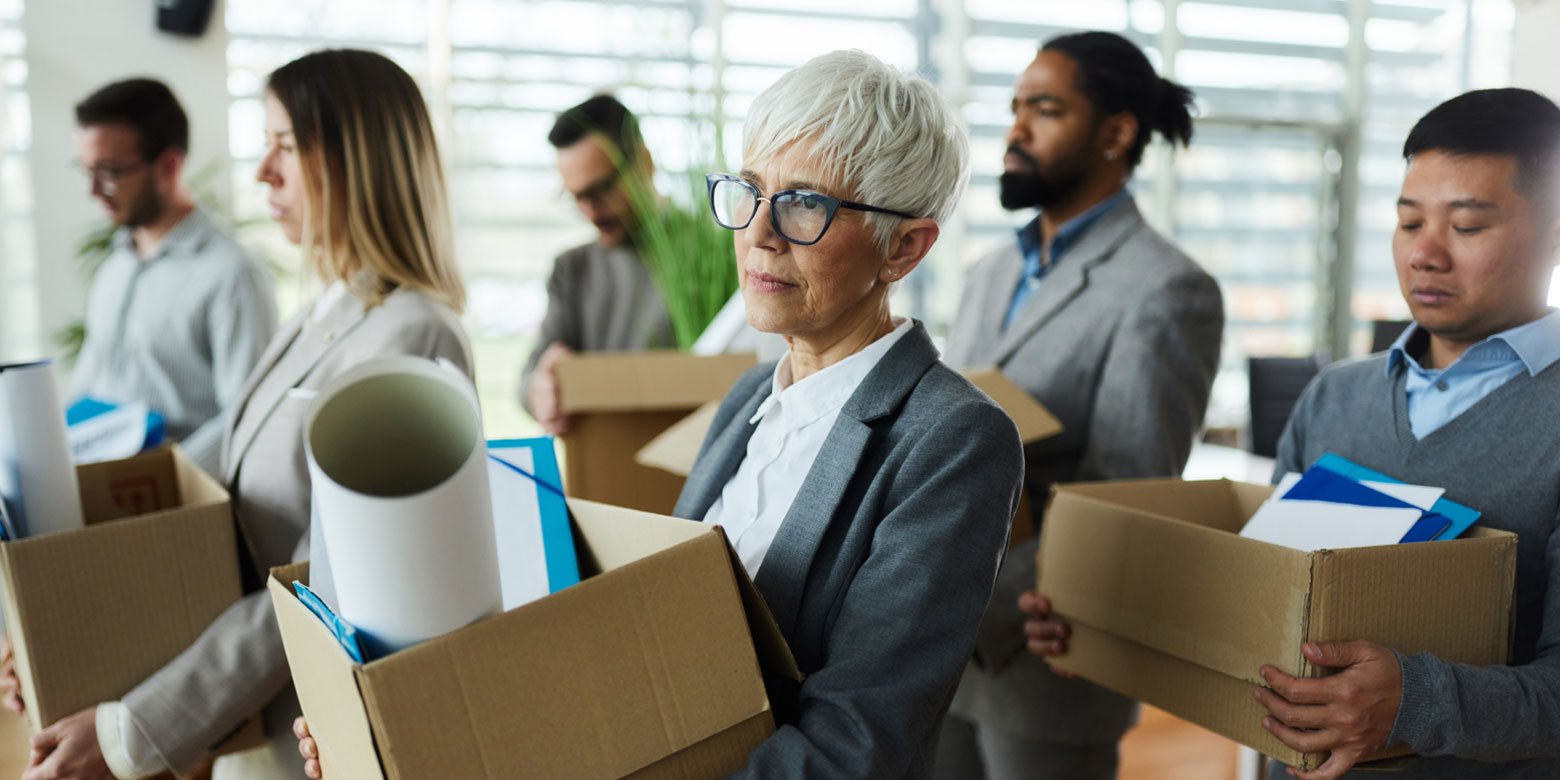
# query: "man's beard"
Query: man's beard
1039,188
145,208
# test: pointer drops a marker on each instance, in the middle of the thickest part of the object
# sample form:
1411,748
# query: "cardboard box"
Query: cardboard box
1169,605
647,669
618,402
93,612
675,449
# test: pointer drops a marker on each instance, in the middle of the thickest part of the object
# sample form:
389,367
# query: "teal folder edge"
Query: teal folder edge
345,633
1461,517
563,566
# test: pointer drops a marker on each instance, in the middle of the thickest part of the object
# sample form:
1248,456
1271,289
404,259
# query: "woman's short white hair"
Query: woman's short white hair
889,136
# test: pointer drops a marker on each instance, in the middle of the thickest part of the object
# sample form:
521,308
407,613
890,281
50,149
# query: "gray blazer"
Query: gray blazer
881,570
238,667
599,299
1121,342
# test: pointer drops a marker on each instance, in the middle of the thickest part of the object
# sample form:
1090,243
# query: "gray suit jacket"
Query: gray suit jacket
238,667
1121,342
883,565
599,299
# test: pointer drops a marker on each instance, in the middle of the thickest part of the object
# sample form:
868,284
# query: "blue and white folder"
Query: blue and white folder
535,542
1459,518
531,526
1337,504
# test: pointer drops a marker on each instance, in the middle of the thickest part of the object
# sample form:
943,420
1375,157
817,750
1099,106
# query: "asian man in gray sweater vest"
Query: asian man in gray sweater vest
1467,399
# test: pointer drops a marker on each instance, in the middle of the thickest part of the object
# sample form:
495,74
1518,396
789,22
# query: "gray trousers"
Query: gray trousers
967,752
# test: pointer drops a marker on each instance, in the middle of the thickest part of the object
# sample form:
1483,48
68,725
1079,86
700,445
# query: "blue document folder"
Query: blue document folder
1459,518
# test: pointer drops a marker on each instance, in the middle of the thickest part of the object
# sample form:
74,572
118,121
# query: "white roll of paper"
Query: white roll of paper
37,476
400,481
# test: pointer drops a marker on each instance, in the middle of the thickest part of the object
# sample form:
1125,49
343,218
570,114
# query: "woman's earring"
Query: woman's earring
1110,156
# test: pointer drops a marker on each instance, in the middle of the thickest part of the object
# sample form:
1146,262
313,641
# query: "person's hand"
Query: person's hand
68,750
1045,634
10,684
308,749
1349,714
546,402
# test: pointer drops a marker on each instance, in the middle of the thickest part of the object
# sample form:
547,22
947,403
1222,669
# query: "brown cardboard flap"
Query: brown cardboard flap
646,381
1034,421
598,680
618,536
326,681
1199,593
676,448
93,612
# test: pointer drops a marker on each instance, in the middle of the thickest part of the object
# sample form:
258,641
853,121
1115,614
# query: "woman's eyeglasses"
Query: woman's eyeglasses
800,216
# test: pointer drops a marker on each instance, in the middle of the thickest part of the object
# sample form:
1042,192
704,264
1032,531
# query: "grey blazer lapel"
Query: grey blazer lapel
1070,276
783,576
273,353
1006,271
311,347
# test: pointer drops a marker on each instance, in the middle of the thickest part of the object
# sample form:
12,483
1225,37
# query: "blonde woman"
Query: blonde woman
355,179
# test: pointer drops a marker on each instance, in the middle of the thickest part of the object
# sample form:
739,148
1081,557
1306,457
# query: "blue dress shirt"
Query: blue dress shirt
1438,396
1030,244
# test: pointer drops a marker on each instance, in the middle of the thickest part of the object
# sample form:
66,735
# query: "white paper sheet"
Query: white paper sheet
400,475
1421,496
112,435
1323,525
517,517
37,477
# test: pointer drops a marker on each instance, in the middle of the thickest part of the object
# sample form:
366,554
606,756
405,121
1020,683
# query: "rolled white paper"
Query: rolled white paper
400,475
37,476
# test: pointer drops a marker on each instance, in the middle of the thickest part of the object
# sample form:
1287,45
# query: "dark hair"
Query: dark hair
1511,122
601,114
1115,75
146,106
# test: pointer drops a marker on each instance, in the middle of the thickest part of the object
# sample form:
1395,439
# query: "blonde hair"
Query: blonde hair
377,204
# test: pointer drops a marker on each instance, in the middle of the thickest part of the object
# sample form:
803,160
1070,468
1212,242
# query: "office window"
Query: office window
19,332
1256,199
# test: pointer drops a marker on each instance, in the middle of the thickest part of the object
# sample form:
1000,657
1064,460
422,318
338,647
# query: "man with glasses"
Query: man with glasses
600,296
178,314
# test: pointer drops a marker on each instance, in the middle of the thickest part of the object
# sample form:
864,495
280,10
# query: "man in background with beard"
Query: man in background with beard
178,313
1116,331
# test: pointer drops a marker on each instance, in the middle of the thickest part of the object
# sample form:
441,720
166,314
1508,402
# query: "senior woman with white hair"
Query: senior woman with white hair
866,487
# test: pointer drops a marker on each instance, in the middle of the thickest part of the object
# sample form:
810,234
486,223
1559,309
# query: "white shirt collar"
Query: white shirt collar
826,390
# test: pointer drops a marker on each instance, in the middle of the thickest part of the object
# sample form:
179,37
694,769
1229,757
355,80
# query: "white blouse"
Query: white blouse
793,423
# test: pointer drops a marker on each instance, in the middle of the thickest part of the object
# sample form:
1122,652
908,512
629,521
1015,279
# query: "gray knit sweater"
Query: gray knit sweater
1502,457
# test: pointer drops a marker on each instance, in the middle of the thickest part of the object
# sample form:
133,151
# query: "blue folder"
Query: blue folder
1459,518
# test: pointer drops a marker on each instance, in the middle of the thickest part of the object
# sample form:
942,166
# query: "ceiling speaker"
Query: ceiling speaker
184,17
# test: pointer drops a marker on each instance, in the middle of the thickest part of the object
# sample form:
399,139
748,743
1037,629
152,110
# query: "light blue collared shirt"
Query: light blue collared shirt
1438,396
1030,242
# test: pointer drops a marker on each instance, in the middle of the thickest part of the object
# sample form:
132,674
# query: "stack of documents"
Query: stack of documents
1337,504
